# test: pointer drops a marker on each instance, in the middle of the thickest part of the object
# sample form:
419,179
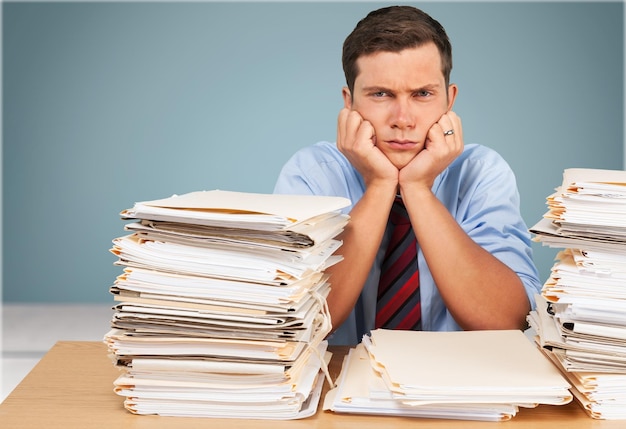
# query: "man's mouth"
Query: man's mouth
401,144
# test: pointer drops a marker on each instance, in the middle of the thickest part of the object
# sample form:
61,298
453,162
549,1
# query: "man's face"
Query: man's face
402,94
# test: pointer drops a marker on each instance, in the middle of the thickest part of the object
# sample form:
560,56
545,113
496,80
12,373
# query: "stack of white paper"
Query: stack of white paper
581,314
222,304
472,375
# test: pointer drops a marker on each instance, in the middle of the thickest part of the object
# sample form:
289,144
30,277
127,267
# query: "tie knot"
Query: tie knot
398,214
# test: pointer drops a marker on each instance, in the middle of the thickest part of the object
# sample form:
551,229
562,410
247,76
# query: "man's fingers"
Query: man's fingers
353,130
365,133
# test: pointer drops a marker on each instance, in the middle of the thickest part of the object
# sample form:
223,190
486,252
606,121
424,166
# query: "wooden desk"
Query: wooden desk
72,387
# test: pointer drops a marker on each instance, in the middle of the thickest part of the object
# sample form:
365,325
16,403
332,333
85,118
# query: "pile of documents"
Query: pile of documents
221,306
469,375
580,319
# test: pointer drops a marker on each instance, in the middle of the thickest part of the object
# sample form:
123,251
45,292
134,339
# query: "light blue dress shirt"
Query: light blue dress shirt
478,188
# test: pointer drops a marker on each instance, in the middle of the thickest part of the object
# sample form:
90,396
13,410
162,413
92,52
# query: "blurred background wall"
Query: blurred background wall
106,104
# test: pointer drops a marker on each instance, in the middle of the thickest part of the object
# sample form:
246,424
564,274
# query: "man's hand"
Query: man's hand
356,139
362,236
439,152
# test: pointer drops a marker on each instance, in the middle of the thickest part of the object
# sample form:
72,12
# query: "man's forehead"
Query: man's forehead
423,59
416,67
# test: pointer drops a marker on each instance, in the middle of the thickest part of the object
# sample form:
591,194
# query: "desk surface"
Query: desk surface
72,387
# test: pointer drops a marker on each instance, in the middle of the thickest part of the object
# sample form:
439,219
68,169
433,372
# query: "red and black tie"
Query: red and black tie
398,305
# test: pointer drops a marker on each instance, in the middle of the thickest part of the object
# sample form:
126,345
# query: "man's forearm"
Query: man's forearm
479,290
361,240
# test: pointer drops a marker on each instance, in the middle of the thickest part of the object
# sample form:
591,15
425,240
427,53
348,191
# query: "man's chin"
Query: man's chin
401,161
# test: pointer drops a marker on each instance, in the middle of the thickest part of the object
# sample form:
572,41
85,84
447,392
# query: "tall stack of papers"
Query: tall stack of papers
222,304
471,375
581,314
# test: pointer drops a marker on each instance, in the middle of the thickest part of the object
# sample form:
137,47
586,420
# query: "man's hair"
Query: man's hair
393,29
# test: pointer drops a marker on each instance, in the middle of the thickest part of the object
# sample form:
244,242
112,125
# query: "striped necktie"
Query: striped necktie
398,305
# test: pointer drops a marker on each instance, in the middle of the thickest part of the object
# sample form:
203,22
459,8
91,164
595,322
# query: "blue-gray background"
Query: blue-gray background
106,104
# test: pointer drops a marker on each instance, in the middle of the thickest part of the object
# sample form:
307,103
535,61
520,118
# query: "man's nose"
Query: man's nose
402,114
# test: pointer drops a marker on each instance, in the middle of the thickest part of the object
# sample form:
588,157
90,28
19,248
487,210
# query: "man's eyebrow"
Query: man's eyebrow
428,87
377,88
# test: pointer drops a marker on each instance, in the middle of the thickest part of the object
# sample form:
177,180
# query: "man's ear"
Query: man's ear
347,97
452,92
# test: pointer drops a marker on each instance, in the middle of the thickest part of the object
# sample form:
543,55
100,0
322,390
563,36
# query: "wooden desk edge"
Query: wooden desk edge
73,385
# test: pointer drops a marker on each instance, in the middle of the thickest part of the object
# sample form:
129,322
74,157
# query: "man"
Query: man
397,136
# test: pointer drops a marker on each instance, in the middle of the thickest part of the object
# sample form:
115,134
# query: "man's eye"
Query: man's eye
423,93
379,94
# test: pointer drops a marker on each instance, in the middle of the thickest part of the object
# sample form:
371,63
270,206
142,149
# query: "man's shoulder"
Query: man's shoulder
475,151
320,152
475,164
320,169
321,148
477,156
